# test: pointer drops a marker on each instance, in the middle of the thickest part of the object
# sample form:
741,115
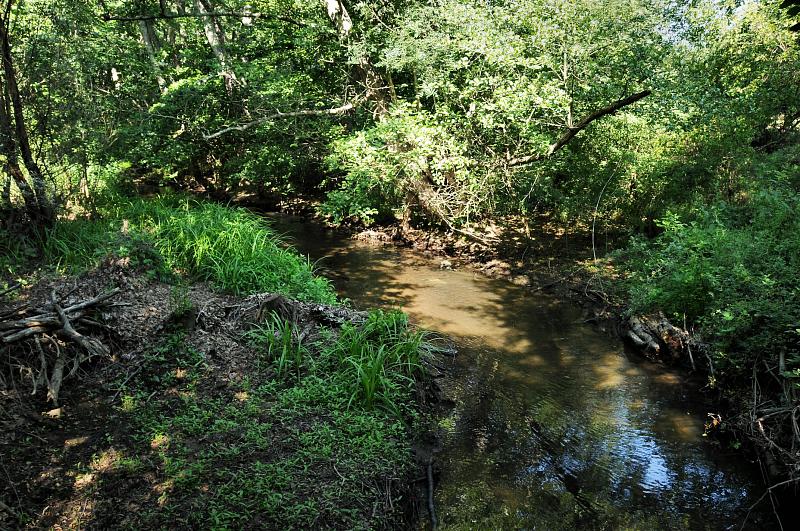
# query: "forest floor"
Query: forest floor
189,424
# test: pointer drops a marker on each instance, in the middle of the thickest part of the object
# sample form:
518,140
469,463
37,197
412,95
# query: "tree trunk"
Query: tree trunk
377,89
151,44
37,201
46,211
8,147
216,39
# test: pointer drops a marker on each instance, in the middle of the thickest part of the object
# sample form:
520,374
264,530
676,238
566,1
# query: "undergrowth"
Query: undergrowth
295,444
730,272
232,248
374,362
315,432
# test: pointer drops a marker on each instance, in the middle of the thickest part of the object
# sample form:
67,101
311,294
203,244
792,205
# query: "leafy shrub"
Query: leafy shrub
382,165
732,269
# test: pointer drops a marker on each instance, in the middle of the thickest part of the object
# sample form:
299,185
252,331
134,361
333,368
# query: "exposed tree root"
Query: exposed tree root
39,339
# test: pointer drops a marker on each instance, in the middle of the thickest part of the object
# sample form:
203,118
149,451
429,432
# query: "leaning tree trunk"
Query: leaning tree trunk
8,148
151,45
216,39
45,207
377,89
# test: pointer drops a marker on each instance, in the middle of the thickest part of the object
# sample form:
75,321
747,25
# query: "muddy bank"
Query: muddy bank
187,419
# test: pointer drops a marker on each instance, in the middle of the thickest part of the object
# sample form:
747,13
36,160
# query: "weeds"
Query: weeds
379,358
261,452
294,443
374,362
230,247
281,343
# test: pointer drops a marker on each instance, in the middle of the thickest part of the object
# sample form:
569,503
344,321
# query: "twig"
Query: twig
122,385
18,310
22,334
769,491
309,112
11,288
91,302
688,345
594,217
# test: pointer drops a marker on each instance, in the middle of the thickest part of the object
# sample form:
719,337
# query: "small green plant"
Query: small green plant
281,344
379,359
179,301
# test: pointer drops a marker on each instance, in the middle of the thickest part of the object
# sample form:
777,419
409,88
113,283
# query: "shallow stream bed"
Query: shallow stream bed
555,426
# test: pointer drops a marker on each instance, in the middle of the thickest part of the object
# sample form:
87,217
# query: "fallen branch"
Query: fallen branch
91,345
49,363
431,507
11,288
92,302
308,112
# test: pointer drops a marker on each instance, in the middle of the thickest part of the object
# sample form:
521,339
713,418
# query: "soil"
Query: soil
66,465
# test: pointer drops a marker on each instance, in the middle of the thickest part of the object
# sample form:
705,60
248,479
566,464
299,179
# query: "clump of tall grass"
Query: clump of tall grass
374,362
280,341
379,358
230,247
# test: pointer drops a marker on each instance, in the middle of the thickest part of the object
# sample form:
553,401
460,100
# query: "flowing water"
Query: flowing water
554,425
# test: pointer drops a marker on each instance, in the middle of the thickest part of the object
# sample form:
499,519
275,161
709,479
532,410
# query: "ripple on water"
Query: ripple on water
554,426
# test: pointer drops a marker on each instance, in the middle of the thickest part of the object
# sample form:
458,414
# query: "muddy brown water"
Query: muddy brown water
554,426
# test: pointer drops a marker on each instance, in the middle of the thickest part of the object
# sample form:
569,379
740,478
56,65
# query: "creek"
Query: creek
554,424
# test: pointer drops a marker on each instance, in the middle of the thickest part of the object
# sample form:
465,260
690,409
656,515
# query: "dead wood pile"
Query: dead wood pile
53,337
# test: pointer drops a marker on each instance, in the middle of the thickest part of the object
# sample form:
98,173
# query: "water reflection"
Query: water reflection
554,427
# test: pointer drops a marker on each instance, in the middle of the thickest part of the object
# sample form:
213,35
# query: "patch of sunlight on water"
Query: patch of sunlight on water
554,427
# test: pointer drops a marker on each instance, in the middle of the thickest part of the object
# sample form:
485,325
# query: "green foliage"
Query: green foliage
385,163
292,433
15,255
375,362
179,302
379,359
281,343
730,268
232,248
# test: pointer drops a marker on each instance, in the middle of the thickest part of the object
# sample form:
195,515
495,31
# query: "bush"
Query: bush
732,269
382,165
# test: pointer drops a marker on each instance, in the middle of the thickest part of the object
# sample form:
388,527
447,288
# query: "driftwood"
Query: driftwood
659,339
48,332
431,507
